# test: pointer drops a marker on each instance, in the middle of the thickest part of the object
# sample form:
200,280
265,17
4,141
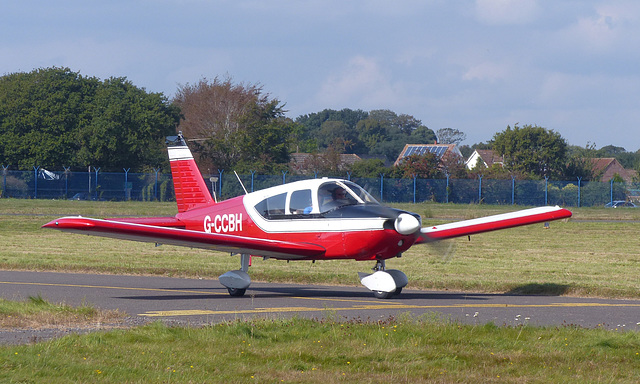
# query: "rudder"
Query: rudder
189,186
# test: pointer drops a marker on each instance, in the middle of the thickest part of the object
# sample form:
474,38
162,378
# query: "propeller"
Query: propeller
445,248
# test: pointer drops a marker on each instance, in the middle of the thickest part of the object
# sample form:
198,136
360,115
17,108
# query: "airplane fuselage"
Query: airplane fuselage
359,232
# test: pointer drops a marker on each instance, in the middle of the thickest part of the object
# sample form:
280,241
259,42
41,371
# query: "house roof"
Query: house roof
420,149
602,163
607,167
488,156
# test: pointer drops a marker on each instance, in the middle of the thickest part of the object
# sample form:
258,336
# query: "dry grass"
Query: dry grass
38,313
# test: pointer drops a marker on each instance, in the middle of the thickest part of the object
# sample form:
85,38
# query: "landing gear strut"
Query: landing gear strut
237,281
384,283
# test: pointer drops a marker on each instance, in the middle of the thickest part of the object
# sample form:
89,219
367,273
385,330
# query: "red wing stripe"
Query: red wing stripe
496,222
183,237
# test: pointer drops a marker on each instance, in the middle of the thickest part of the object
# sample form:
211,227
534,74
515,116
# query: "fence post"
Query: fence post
66,181
96,170
220,171
414,189
4,180
155,187
35,188
127,190
447,189
611,193
546,190
381,186
479,189
579,186
252,173
513,190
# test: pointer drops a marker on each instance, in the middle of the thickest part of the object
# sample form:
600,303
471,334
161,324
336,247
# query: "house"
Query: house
605,168
440,150
486,157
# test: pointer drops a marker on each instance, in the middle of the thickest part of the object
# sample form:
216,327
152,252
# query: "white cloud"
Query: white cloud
361,79
487,71
612,27
499,12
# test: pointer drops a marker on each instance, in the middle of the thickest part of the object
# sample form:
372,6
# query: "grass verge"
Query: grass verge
36,312
403,350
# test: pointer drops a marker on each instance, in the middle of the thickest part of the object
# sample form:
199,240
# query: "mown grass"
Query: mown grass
297,350
593,254
36,312
591,258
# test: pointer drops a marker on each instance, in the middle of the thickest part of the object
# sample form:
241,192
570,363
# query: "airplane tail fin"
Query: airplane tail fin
189,186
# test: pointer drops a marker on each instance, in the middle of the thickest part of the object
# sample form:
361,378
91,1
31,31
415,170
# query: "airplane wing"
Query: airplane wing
493,223
167,231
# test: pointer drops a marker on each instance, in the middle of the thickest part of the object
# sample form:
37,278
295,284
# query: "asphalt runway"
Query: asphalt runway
199,302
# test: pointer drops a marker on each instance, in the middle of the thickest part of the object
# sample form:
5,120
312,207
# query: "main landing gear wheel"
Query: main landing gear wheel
237,281
383,295
387,295
236,291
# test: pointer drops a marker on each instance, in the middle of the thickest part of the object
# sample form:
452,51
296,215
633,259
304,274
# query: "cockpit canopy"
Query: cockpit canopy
311,198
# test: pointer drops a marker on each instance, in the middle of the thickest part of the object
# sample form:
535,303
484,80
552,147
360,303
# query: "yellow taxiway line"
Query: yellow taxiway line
362,304
195,312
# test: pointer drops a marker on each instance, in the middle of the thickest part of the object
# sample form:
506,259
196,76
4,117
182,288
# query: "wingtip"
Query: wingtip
69,222
51,224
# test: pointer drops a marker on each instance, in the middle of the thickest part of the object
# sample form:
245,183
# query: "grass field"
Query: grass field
596,253
306,351
593,254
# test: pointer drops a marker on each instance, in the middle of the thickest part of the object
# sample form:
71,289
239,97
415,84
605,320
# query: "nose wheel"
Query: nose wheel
384,283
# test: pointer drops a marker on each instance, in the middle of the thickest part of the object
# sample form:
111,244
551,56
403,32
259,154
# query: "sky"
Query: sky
571,66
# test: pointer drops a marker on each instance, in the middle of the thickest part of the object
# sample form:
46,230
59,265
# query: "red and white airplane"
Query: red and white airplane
317,219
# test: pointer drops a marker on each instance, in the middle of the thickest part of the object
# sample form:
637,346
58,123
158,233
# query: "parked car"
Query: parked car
620,204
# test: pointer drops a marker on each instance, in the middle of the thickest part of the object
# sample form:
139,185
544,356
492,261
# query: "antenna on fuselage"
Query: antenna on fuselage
241,183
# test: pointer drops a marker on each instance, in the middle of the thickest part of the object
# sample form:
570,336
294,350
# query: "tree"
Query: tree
371,132
127,128
532,150
235,125
379,132
55,117
426,166
450,136
371,168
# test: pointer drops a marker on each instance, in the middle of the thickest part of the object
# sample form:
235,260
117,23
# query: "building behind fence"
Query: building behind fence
157,186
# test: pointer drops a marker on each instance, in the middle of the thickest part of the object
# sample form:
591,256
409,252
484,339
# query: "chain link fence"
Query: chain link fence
157,186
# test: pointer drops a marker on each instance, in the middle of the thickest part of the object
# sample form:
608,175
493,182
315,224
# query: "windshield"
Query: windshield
361,193
333,195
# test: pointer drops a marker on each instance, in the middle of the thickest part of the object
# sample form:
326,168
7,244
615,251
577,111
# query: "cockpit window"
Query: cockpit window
334,195
272,206
300,202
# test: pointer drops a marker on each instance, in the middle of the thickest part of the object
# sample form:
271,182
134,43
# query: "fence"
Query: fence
157,186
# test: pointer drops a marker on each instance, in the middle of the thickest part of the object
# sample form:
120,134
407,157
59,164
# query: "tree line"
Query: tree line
55,117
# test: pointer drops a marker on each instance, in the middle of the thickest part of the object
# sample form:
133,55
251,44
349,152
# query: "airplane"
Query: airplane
316,219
